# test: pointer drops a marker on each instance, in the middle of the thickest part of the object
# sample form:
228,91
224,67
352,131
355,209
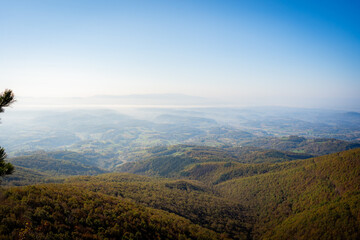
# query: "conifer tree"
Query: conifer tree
6,99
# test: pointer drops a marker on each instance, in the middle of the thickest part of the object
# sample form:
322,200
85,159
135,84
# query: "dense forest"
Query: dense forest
317,146
70,212
193,192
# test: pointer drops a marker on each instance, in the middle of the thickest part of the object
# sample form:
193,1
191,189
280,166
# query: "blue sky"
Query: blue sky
290,53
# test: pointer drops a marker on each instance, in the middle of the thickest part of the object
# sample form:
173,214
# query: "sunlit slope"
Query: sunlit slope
215,188
70,212
171,161
316,199
213,173
190,199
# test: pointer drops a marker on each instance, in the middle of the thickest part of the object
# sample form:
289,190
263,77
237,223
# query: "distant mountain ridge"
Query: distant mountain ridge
134,99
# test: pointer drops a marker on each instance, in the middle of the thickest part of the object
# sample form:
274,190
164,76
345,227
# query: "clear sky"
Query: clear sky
292,53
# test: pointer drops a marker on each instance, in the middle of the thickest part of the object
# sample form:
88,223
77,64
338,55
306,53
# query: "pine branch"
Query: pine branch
6,99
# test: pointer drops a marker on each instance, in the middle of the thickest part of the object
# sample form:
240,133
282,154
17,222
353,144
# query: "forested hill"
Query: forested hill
315,198
60,163
173,160
316,146
26,176
71,212
170,160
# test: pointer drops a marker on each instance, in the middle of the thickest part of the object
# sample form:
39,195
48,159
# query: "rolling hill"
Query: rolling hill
317,146
59,163
67,212
315,199
213,193
171,161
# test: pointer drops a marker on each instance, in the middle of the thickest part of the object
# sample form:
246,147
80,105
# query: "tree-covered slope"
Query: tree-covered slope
316,146
215,188
190,199
217,172
58,163
172,160
68,212
25,176
316,199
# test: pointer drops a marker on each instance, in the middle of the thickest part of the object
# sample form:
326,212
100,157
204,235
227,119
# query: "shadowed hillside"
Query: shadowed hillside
59,163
